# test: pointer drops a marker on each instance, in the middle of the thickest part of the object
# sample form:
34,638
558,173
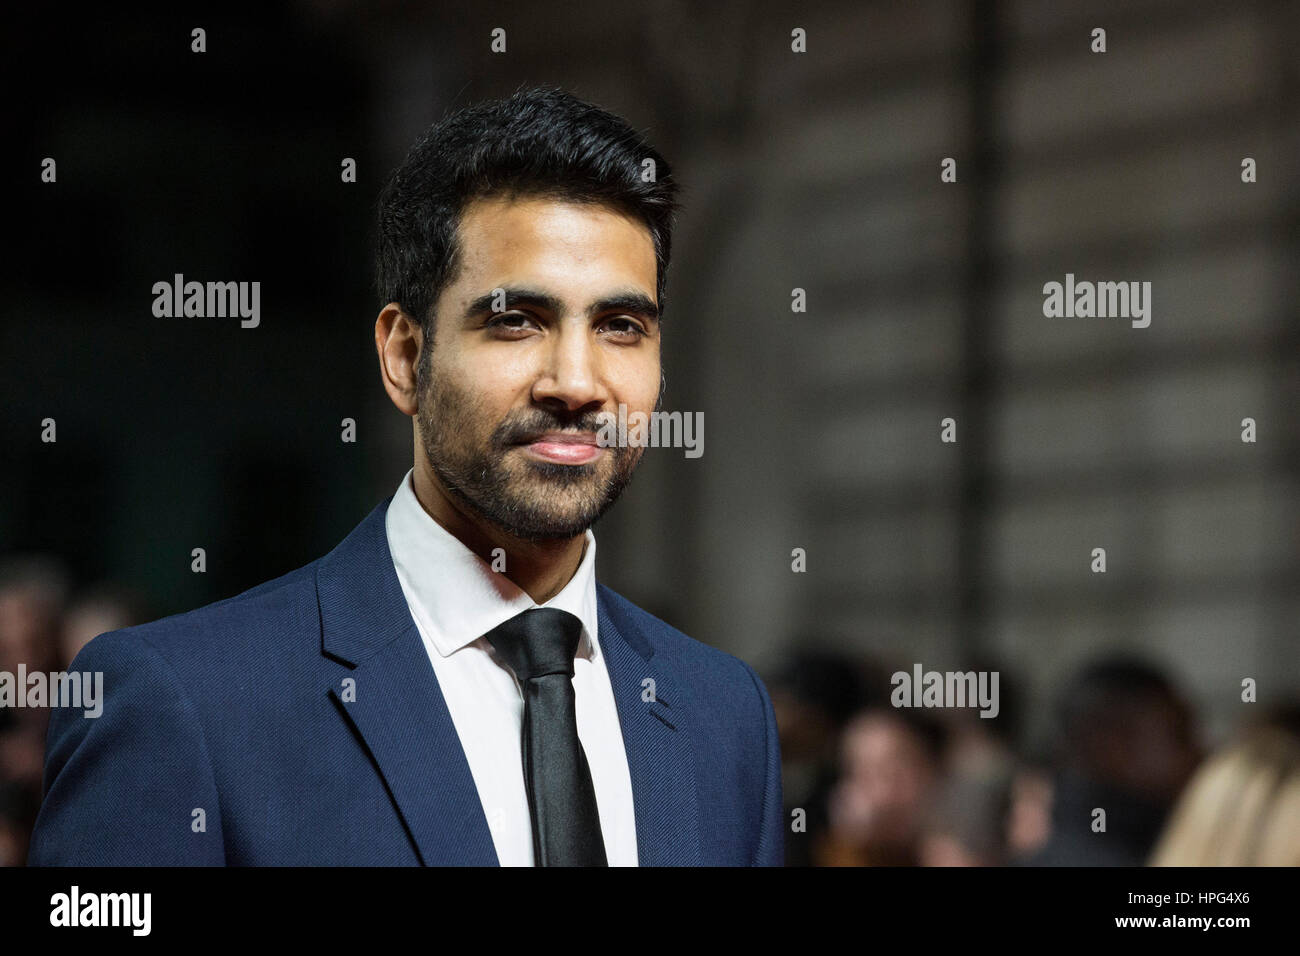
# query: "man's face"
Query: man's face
510,400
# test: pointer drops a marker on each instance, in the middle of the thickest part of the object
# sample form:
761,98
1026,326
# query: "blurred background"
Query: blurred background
818,171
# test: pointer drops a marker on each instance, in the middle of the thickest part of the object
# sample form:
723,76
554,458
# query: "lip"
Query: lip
564,438
564,448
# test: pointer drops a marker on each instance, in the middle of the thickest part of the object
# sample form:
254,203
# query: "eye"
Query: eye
623,327
511,322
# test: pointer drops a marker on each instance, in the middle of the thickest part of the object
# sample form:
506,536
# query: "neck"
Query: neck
540,569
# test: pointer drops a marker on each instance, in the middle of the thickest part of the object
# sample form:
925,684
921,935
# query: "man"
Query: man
450,685
1127,743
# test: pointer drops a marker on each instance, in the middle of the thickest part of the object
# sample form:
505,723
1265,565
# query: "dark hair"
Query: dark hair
542,142
1095,699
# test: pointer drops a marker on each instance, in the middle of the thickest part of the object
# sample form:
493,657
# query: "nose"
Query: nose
572,375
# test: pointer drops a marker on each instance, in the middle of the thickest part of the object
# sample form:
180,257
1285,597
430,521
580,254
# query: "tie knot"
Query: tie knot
538,642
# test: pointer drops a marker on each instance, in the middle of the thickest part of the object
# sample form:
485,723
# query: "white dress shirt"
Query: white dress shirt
455,598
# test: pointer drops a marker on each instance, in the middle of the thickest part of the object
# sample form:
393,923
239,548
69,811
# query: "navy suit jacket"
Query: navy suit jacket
229,737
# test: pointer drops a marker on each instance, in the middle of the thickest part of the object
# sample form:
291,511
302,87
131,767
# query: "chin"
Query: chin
548,531
555,472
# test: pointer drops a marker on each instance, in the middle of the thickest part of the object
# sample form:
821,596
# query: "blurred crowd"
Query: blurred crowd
43,624
1120,778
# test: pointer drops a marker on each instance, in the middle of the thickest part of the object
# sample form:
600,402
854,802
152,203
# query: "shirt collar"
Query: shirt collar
455,596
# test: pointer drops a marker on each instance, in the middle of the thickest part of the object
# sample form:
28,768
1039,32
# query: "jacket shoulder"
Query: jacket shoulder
232,629
693,656
739,755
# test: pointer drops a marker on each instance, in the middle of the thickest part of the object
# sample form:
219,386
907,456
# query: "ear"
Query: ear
398,342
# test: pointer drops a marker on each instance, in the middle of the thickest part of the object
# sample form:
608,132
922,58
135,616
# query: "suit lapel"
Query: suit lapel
398,710
656,738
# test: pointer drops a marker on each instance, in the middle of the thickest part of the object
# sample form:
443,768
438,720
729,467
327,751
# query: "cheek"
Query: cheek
485,385
636,381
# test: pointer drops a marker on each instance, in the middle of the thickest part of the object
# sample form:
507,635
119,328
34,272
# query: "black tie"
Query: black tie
539,646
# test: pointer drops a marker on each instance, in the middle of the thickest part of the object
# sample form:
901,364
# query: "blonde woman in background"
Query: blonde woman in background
1242,808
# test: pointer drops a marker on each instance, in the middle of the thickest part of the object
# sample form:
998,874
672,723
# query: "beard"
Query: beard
528,499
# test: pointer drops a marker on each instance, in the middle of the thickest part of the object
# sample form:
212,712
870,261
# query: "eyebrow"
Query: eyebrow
629,301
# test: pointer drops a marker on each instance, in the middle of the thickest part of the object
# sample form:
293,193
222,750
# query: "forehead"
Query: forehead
503,238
